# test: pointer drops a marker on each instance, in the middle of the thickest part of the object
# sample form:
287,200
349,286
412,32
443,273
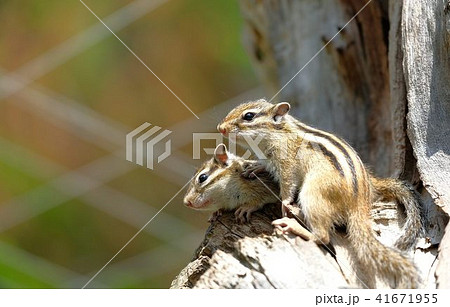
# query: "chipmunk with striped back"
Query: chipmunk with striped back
219,185
326,178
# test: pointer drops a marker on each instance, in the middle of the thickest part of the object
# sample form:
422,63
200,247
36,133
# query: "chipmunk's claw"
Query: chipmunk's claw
243,214
252,168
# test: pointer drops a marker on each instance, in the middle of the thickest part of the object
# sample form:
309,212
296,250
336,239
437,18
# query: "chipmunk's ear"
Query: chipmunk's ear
281,109
221,154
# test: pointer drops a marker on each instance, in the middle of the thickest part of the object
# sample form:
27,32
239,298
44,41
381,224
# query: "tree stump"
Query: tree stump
381,82
252,255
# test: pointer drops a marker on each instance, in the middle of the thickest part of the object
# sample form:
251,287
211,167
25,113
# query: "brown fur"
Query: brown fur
227,189
333,184
390,189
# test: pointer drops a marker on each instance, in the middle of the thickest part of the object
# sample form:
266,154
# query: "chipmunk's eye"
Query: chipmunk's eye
202,178
248,116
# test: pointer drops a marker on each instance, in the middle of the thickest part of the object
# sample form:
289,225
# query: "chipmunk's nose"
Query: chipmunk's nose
222,130
187,203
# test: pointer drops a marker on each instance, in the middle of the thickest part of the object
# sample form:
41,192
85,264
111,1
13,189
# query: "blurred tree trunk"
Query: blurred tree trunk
382,83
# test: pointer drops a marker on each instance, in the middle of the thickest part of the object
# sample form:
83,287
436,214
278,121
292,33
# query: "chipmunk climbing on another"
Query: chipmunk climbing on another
219,185
326,177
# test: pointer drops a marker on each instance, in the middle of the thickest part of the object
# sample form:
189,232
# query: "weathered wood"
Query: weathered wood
405,164
252,256
426,47
383,84
222,236
443,267
272,262
248,256
345,89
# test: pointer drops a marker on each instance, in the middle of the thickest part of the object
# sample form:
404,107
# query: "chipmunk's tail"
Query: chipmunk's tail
377,259
391,189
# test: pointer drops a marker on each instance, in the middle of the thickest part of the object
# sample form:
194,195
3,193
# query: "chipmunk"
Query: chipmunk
326,178
219,185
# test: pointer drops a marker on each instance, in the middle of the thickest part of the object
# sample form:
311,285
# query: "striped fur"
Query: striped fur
329,155
341,156
344,149
226,188
335,187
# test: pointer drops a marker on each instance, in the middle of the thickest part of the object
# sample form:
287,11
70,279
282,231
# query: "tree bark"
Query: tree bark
382,83
251,255
426,66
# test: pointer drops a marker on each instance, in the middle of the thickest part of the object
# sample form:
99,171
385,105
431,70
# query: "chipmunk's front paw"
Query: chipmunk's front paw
243,214
290,225
251,168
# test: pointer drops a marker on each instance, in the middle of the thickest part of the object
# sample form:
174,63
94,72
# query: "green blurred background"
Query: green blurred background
69,93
